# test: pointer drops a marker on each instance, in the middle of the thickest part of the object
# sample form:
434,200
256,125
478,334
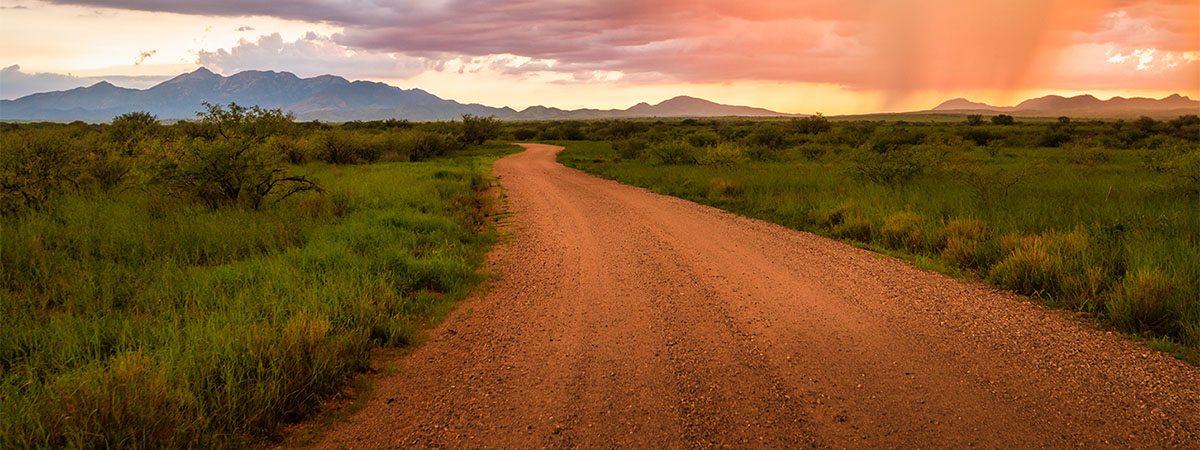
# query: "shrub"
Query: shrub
974,119
979,136
632,148
476,130
811,151
1086,153
235,166
1054,139
766,136
1003,119
524,134
903,230
673,153
130,129
1144,301
810,125
703,139
889,164
35,166
724,154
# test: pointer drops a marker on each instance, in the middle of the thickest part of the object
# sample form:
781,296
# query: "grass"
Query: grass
131,320
1106,236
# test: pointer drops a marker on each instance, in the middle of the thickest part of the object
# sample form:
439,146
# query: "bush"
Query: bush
903,230
131,129
811,125
1054,139
632,148
1145,301
724,154
235,166
974,119
1003,119
703,139
35,166
524,134
1086,153
476,130
673,153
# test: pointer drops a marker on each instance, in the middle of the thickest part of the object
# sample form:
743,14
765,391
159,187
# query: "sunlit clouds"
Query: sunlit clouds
834,56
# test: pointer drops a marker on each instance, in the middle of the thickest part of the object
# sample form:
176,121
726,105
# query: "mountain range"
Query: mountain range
1082,106
333,98
326,97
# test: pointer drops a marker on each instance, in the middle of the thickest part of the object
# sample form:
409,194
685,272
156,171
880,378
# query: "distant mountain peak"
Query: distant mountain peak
1084,105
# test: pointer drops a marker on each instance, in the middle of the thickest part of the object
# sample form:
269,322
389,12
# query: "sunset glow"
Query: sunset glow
836,57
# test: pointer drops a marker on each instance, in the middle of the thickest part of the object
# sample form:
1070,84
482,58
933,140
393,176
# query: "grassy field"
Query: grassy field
148,318
1086,227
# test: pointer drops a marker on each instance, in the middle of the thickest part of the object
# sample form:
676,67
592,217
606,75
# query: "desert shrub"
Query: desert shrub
810,125
1054,139
346,147
428,145
131,129
903,230
1145,300
524,134
703,139
811,151
767,136
723,154
476,130
673,153
974,119
966,242
1086,153
35,166
891,164
287,148
1003,119
632,148
235,166
979,136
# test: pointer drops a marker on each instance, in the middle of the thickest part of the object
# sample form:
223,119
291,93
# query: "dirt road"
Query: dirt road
626,319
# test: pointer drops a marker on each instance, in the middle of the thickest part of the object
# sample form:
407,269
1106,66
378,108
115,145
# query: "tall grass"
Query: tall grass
132,320
1110,236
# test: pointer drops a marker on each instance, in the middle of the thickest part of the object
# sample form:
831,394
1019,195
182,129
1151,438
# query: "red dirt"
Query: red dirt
622,318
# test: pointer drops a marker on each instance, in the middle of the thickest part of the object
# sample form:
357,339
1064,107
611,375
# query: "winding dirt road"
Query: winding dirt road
626,319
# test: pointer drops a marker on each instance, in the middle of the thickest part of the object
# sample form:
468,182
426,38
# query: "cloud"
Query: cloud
884,45
14,83
143,56
309,55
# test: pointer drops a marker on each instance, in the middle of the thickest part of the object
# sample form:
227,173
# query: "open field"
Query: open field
1082,216
155,313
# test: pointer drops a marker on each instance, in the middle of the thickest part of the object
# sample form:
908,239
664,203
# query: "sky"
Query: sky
796,56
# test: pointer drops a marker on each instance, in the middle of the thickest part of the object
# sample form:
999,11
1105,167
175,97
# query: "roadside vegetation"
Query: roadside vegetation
1097,217
203,283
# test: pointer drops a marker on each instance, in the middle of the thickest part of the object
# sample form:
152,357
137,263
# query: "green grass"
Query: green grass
1130,256
132,320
